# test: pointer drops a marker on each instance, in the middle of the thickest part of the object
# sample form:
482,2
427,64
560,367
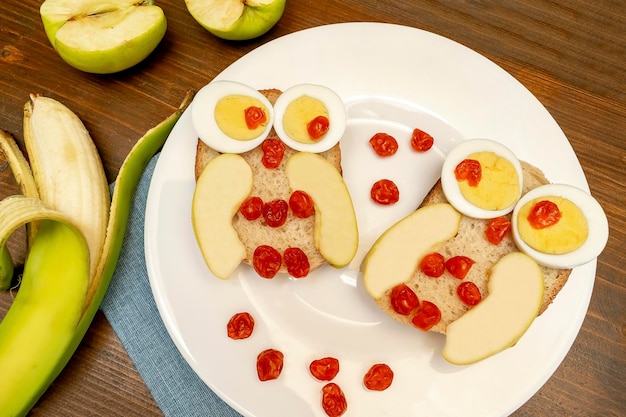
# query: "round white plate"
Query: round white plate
392,78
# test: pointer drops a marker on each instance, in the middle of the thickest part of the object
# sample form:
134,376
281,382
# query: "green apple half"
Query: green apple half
103,37
236,19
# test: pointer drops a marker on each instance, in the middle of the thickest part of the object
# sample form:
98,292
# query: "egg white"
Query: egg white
450,184
596,221
203,116
336,116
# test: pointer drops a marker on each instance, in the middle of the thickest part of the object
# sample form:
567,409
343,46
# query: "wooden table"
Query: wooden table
570,54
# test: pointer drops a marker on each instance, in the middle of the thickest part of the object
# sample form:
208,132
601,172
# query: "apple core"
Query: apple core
103,39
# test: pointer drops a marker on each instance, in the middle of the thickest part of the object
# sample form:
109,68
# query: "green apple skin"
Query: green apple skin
55,13
256,17
103,39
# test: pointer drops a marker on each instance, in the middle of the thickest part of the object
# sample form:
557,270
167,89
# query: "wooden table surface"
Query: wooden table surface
570,54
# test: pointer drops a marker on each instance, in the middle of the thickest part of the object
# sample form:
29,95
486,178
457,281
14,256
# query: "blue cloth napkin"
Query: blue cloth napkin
130,308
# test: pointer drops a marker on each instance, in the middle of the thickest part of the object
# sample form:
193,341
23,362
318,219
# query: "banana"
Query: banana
39,327
21,170
73,256
26,182
6,268
67,169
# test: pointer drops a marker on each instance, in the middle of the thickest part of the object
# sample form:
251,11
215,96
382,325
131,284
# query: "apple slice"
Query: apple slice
501,319
223,185
103,37
336,232
394,257
236,19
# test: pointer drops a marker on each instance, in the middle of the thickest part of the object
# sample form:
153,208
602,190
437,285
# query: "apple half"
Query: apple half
395,256
335,231
103,37
223,185
516,288
236,19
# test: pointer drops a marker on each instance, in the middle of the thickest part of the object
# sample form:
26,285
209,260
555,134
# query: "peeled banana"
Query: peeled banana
73,249
67,169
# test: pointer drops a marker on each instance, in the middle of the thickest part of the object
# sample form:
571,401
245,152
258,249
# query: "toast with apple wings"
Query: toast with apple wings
471,242
272,184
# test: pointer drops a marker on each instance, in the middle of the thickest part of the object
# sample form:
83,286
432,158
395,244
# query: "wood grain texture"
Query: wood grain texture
570,54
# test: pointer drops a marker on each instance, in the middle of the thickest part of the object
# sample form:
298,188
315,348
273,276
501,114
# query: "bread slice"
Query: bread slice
470,241
271,184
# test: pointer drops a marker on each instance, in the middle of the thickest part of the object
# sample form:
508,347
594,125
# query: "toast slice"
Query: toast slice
471,242
271,184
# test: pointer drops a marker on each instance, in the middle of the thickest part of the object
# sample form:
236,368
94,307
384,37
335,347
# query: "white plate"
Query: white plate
393,78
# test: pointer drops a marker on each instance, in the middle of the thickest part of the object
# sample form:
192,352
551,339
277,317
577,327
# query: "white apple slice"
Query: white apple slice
394,257
515,294
103,37
223,185
336,231
236,19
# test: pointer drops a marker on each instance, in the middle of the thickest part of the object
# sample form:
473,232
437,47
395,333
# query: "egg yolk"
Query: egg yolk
230,116
298,114
566,235
498,187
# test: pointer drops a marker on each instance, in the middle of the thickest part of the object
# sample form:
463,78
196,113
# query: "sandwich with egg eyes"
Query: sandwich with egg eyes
271,184
471,241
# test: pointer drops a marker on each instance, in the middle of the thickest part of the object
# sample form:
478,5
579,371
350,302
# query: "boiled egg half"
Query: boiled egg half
310,117
560,226
231,117
482,178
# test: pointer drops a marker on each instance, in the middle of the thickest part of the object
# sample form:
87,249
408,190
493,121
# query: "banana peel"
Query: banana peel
26,183
40,325
65,276
6,268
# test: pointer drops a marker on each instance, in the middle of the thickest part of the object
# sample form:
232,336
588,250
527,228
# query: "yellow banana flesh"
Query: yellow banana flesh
48,320
67,169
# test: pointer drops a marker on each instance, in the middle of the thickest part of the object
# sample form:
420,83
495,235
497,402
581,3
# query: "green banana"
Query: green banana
40,325
6,268
61,293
